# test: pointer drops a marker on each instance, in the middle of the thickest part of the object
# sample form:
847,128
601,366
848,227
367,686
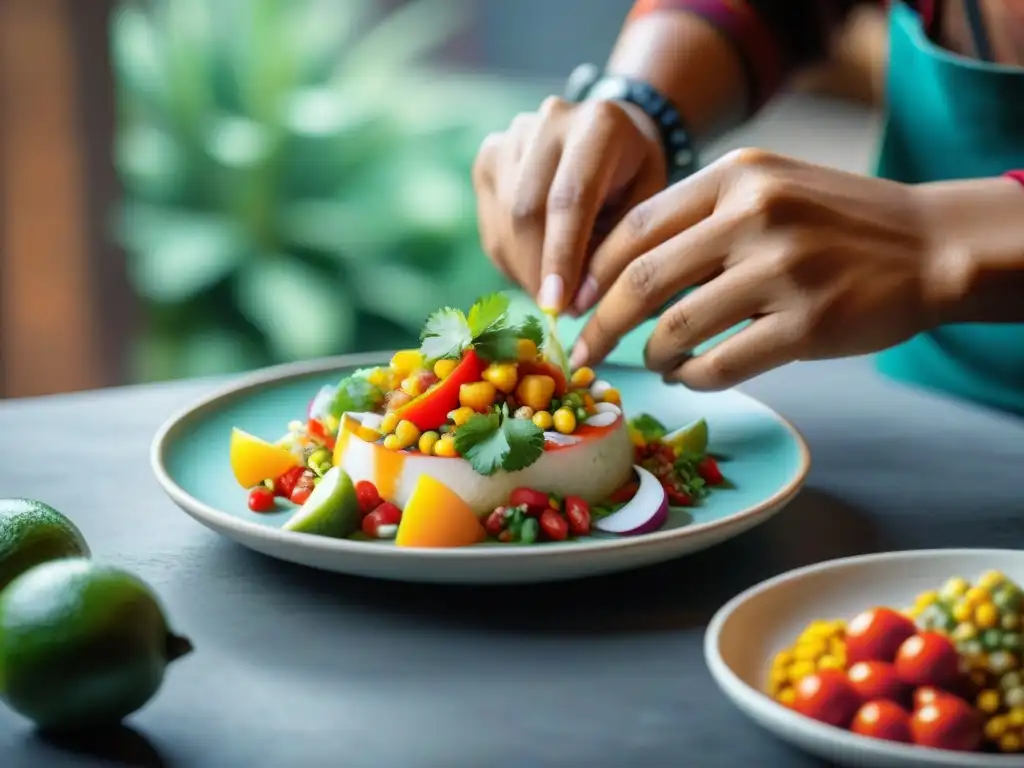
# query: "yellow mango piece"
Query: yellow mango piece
436,516
254,460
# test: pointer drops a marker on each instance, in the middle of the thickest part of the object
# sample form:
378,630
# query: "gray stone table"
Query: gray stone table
300,668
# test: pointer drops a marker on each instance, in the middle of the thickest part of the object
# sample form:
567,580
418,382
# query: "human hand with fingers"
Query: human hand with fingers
825,264
553,182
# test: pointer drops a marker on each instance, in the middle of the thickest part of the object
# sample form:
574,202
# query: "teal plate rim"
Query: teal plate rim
288,372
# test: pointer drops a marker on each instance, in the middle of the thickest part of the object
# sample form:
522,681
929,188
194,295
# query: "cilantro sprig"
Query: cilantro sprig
496,441
486,327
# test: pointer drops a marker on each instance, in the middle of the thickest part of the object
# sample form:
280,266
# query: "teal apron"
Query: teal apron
953,118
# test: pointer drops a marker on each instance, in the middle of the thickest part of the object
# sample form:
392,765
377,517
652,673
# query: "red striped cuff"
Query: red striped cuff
762,57
1016,176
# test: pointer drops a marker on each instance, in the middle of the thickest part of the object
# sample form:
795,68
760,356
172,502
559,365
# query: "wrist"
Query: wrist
974,269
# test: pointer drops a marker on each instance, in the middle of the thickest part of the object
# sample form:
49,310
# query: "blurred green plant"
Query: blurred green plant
296,179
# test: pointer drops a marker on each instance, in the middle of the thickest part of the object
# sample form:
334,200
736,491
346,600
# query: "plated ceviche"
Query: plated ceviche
481,434
944,673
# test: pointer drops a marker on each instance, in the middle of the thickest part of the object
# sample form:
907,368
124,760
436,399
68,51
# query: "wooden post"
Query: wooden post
50,341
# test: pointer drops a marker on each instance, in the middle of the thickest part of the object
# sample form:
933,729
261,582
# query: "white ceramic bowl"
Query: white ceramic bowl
749,630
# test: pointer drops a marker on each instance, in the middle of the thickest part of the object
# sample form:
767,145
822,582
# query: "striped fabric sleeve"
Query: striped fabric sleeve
773,37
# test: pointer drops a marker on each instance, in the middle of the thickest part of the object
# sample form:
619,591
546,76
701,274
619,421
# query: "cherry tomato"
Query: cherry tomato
947,723
876,680
577,513
926,695
302,489
495,523
285,484
883,719
677,497
535,501
827,696
928,658
876,635
554,525
382,522
368,496
709,471
261,499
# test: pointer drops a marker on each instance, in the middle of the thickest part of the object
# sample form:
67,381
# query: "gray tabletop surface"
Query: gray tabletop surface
296,667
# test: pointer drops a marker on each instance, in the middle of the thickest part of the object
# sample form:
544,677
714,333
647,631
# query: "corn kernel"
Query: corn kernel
925,599
809,650
523,412
779,678
445,447
977,595
799,670
407,433
461,415
962,611
783,659
564,421
989,701
427,442
830,662
503,376
392,444
986,616
480,395
536,391
1015,717
965,631
787,697
526,349
1010,742
582,377
412,386
406,361
612,396
955,587
991,579
389,422
443,368
995,728
543,420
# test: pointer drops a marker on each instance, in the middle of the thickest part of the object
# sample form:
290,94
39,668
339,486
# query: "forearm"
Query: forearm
720,61
977,228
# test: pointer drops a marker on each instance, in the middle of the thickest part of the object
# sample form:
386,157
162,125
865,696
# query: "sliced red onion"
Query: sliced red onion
647,511
559,439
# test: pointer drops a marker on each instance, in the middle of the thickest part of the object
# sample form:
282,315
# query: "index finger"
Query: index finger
578,192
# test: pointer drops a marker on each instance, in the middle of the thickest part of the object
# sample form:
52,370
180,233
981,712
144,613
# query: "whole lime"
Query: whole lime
32,533
82,645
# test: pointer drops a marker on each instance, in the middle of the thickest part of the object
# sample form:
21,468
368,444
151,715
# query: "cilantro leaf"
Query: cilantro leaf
492,442
446,334
533,330
487,313
650,428
355,395
498,344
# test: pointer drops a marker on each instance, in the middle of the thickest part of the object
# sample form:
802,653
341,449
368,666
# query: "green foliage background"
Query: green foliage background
296,177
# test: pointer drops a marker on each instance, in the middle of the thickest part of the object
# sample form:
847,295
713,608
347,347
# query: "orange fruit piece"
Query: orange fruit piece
254,460
436,516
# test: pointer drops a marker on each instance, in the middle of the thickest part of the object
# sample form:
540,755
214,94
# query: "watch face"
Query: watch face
610,89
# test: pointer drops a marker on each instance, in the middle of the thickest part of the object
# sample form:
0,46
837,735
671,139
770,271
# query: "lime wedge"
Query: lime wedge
691,439
332,509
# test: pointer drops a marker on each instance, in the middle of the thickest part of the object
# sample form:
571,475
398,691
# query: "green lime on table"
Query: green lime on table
82,645
690,440
32,533
332,509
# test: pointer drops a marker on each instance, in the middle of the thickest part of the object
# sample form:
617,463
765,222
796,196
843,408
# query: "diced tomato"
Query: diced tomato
383,521
319,432
554,525
535,501
709,471
676,496
302,489
577,514
496,522
368,496
285,484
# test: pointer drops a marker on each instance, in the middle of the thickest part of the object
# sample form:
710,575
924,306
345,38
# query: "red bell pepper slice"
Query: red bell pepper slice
430,410
318,431
544,368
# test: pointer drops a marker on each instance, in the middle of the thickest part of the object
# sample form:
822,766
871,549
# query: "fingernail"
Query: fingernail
551,290
587,296
580,354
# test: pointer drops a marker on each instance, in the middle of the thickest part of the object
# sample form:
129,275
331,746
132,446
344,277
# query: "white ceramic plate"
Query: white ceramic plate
749,630
767,463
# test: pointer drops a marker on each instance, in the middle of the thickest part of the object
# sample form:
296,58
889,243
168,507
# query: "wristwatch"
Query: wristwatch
587,82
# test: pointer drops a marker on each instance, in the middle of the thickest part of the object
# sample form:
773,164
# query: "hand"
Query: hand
549,185
825,263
